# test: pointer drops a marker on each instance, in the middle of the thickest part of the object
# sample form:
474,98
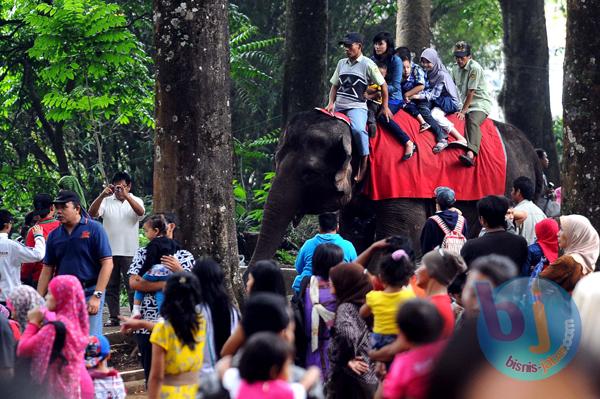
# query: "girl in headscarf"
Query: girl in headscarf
581,245
545,250
442,93
56,340
20,301
352,374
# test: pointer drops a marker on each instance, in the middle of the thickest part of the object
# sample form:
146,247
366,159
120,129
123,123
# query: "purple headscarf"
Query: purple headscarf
439,73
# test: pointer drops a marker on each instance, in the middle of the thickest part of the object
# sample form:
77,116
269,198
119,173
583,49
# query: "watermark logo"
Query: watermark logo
528,330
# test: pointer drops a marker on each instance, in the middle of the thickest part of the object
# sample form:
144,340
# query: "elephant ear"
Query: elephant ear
343,176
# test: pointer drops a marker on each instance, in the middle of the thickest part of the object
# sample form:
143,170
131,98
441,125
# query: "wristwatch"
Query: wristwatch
98,294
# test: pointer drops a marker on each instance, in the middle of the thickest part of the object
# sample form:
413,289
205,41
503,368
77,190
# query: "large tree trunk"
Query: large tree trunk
193,149
413,25
581,103
305,65
525,97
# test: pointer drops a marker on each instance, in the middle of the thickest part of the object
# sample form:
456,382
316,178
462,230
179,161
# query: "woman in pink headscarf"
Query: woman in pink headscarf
581,245
56,338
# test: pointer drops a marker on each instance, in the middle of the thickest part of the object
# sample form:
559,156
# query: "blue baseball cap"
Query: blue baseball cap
96,351
445,197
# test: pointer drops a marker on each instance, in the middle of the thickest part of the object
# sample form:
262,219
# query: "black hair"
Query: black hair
400,242
420,321
540,152
457,285
180,306
264,357
29,223
525,186
404,53
499,269
59,343
328,221
389,40
265,311
493,209
268,278
117,177
381,64
325,257
5,218
170,217
396,273
157,222
214,295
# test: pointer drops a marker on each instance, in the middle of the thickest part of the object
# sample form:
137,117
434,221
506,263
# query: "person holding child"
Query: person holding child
475,97
348,86
441,92
155,229
390,67
395,272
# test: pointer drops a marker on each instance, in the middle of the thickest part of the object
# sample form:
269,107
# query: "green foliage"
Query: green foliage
249,204
557,130
285,257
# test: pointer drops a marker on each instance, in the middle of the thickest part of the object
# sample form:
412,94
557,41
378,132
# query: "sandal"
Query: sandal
439,147
424,126
406,157
467,160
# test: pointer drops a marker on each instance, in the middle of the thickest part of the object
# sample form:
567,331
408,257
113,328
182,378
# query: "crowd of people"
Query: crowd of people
375,324
370,90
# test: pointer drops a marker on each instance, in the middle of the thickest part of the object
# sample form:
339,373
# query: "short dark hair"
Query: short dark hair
404,53
328,221
497,268
267,277
170,217
5,218
398,272
117,177
525,186
381,65
264,357
493,210
420,321
265,311
389,40
540,152
325,257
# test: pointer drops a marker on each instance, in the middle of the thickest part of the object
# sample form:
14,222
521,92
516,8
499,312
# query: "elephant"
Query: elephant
313,174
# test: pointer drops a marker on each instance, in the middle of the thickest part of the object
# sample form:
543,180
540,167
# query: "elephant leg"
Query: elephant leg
401,216
357,222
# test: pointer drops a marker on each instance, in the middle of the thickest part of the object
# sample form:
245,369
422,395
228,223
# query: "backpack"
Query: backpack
453,240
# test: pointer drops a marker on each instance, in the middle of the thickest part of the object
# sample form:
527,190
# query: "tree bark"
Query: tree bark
305,65
193,157
525,96
413,25
581,112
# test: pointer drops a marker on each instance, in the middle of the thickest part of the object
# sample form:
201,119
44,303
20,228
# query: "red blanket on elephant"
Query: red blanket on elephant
390,177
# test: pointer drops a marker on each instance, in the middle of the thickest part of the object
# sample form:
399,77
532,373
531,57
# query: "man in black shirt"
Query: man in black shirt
496,240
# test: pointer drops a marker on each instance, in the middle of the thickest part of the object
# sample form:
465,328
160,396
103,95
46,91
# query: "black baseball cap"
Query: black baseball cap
65,196
352,37
41,204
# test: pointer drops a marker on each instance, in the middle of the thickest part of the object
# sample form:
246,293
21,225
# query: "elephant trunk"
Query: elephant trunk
280,208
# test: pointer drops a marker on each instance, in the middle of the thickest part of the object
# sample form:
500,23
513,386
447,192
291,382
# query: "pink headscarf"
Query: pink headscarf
63,380
583,243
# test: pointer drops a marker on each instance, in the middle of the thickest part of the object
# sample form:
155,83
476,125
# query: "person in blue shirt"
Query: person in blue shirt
328,226
79,247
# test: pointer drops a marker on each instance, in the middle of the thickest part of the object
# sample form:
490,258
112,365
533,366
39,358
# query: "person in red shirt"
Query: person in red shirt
438,269
42,203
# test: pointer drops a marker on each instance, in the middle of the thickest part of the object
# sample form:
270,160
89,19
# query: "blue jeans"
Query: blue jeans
425,111
96,319
358,122
392,126
446,104
378,341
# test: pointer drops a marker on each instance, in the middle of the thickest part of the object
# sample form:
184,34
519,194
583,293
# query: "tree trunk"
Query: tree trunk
581,107
525,96
305,65
413,25
193,149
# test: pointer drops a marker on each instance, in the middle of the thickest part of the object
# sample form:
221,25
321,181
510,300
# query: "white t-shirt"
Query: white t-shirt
121,224
534,215
12,254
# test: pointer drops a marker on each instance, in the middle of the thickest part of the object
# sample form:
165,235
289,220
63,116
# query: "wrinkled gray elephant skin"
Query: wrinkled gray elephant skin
314,175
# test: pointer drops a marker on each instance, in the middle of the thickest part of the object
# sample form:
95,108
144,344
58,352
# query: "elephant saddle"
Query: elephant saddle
391,177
